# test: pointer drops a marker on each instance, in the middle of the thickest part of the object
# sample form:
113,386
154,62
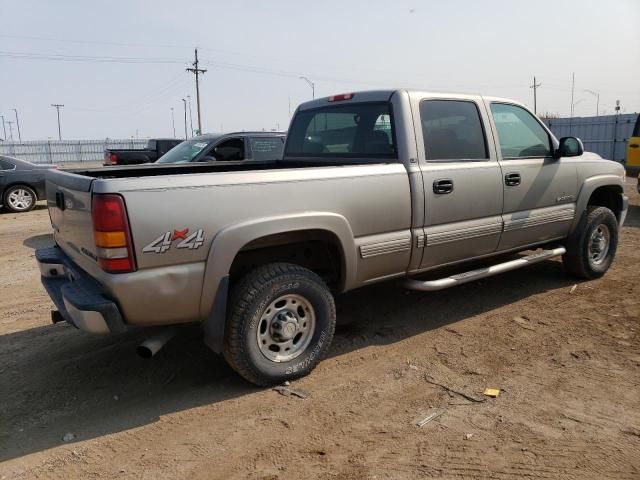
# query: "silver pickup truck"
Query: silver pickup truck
373,186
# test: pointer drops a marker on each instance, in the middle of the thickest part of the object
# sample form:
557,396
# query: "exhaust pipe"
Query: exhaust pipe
152,345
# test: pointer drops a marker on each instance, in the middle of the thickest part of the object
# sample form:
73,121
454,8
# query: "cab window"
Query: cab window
519,133
229,150
267,148
452,130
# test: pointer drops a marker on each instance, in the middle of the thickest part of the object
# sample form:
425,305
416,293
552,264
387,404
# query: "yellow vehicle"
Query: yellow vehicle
633,148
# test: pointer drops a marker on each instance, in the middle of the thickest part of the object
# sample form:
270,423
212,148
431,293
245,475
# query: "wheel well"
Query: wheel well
608,196
317,250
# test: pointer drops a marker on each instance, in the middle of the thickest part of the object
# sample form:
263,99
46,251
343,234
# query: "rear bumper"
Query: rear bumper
80,299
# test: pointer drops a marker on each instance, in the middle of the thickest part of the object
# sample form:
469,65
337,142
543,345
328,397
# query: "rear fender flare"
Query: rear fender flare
229,241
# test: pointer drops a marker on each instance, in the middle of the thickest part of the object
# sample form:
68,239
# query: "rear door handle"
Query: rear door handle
634,145
444,185
512,179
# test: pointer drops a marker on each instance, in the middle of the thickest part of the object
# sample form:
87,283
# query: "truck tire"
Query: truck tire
280,323
19,198
592,246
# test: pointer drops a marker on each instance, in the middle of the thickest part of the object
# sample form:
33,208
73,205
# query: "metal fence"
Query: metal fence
606,135
63,151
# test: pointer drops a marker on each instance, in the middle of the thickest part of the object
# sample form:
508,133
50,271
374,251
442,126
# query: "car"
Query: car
22,183
372,186
155,149
224,147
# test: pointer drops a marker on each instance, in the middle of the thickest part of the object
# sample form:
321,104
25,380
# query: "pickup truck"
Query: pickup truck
156,148
224,147
372,186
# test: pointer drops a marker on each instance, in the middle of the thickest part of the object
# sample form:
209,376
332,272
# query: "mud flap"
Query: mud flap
214,324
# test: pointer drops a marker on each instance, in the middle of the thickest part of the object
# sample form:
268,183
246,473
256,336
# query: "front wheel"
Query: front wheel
280,323
19,198
592,247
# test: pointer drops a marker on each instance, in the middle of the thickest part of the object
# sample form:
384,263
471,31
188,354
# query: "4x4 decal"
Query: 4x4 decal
165,241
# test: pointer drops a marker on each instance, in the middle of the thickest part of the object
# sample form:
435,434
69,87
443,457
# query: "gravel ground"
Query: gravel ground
565,355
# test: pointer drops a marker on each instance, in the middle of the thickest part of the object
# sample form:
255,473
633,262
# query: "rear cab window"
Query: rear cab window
355,130
452,130
185,152
267,148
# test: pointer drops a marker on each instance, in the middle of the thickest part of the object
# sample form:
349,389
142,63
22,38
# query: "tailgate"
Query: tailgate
69,203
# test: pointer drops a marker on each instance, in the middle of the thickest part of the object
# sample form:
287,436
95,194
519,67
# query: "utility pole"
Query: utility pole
18,125
535,99
4,128
597,95
573,86
197,71
173,123
10,129
190,117
185,118
312,85
58,106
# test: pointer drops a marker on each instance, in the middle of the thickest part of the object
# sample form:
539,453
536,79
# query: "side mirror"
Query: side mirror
569,147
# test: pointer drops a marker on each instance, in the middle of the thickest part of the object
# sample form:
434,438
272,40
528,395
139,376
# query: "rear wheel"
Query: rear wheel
280,324
19,198
592,247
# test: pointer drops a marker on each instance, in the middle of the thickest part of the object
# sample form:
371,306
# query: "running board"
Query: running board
460,278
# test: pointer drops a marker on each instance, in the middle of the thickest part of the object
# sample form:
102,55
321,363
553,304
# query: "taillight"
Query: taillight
114,159
342,96
112,234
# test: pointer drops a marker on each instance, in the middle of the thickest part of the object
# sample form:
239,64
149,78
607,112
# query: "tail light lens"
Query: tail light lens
114,159
112,234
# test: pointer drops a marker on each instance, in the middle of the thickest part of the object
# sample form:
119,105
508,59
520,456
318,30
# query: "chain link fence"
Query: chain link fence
65,151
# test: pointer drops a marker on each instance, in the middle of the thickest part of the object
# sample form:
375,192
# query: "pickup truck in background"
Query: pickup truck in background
372,186
156,148
225,147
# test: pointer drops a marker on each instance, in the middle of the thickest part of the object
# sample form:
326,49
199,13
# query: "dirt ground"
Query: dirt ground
74,405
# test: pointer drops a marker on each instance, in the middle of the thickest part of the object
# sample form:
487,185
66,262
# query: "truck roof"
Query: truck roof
209,136
385,95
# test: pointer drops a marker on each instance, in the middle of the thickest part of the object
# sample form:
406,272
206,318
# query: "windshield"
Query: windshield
357,130
185,151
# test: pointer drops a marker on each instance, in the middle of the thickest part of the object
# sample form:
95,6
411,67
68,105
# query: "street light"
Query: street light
18,125
597,95
311,84
184,102
190,117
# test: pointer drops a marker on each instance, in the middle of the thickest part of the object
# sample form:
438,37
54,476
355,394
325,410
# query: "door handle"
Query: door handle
444,185
633,145
512,179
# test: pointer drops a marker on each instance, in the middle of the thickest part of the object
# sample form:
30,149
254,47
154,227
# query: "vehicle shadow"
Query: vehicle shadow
56,380
633,216
39,241
39,206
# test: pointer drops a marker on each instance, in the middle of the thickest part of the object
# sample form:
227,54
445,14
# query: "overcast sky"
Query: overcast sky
124,60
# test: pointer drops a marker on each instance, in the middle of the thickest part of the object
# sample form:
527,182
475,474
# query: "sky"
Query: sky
118,66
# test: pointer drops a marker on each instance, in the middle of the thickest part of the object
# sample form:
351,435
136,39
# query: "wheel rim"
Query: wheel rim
286,328
599,244
20,199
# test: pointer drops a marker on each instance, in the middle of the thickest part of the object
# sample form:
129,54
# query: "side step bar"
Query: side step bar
460,278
